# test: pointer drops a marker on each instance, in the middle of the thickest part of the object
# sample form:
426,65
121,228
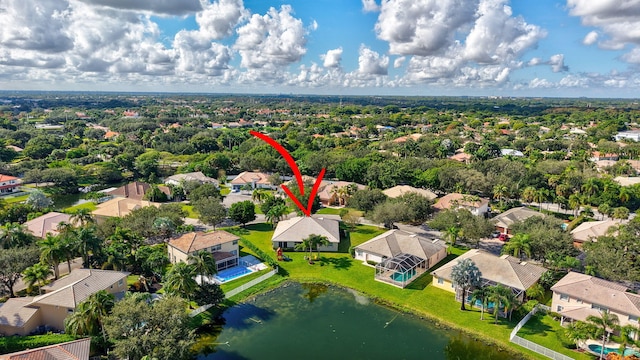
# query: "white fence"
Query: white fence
251,283
530,344
236,291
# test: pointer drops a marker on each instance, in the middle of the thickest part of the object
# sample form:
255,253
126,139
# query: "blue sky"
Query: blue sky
391,47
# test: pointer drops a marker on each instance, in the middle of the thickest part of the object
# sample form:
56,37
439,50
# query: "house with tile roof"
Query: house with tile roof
136,190
221,244
257,180
506,270
9,184
22,316
504,221
290,232
591,230
47,223
119,207
71,350
400,190
198,176
395,242
476,205
330,191
576,296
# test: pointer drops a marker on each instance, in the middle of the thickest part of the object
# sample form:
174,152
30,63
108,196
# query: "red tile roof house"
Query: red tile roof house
9,184
136,190
72,350
47,223
24,315
257,180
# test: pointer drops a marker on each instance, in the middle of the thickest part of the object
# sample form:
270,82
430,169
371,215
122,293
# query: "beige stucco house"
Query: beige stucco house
119,207
504,221
22,316
400,190
506,270
290,232
396,242
591,230
577,296
257,180
221,244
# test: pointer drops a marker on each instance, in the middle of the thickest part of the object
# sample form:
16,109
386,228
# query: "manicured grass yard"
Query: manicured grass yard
420,298
192,214
544,330
336,211
15,199
88,205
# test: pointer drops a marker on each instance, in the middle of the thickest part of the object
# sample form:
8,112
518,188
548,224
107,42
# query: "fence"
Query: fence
236,291
530,344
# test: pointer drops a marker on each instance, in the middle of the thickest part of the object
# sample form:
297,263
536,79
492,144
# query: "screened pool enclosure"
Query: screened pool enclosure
401,269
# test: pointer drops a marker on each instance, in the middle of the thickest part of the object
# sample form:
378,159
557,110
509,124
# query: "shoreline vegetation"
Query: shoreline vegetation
419,299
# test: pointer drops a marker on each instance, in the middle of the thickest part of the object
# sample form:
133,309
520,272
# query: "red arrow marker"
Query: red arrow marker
296,172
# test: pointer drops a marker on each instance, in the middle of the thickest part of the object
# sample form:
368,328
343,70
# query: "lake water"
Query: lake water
319,322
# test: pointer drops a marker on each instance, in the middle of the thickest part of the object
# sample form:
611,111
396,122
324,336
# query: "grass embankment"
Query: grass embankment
419,297
10,344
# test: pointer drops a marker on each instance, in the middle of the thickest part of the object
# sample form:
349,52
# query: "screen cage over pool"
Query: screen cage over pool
401,269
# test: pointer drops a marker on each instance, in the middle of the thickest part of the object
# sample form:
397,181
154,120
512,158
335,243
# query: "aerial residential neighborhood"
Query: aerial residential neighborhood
490,244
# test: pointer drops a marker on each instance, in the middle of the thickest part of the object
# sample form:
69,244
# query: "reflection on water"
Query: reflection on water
323,322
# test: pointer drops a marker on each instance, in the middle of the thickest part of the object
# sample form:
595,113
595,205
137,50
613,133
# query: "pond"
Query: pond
319,322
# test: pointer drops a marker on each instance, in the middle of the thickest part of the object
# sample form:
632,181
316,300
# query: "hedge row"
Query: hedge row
10,344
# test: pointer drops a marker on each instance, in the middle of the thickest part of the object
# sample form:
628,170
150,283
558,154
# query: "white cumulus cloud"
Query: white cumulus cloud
332,58
372,63
370,6
591,38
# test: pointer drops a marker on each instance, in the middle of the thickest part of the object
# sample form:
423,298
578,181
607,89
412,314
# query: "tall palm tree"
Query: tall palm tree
259,195
501,295
500,192
51,252
481,294
82,217
316,241
36,274
603,323
276,213
541,195
528,194
624,194
465,275
591,187
519,244
204,263
88,318
451,234
304,245
87,242
180,280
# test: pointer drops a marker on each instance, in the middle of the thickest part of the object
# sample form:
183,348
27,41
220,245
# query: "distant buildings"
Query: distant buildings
505,220
476,205
8,184
257,180
628,135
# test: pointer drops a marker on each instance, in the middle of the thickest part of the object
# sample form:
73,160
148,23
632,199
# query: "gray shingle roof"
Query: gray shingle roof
300,227
395,242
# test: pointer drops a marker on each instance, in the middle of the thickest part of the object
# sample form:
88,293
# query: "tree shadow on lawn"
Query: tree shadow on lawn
535,326
421,282
340,263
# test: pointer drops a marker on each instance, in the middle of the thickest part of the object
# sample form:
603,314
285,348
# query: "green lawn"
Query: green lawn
544,330
15,199
225,190
88,205
420,298
192,214
336,211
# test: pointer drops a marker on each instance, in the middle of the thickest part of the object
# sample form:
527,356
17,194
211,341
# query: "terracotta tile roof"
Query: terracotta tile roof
121,207
72,350
195,241
134,190
7,178
506,270
598,291
325,193
300,227
249,177
396,242
47,223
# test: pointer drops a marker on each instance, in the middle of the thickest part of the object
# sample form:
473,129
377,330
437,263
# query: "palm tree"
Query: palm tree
88,318
501,295
518,244
180,280
82,217
621,213
625,194
540,196
51,252
276,213
591,187
536,292
500,192
317,240
204,263
303,246
604,209
14,235
481,294
578,332
452,233
603,323
528,194
574,203
465,275
36,274
259,195
86,242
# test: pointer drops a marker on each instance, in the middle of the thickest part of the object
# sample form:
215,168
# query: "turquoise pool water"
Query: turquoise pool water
232,273
400,277
598,348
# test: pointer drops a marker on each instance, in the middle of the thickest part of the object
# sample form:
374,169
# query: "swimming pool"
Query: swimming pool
232,273
401,277
598,348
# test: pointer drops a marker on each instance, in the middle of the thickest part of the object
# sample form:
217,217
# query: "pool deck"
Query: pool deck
249,262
